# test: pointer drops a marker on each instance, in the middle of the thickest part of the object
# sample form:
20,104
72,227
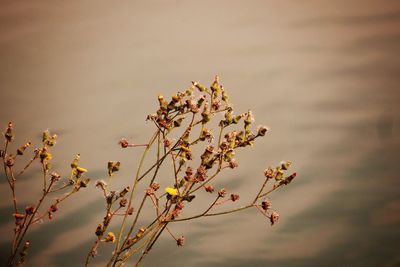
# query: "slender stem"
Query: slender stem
5,165
59,189
12,258
146,252
92,251
205,182
243,207
220,135
28,164
175,172
58,202
229,211
269,191
261,189
13,190
149,228
153,138
17,234
44,176
199,215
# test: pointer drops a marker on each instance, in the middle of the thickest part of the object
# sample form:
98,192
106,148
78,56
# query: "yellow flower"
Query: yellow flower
110,237
81,170
171,191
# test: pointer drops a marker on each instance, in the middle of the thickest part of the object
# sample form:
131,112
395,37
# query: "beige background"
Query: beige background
324,75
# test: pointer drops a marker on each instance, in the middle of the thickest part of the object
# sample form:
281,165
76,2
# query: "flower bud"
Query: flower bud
225,96
269,173
123,202
123,143
288,179
233,164
262,130
9,135
274,217
124,192
285,165
113,167
130,211
200,87
140,232
180,241
9,161
278,174
55,176
178,122
99,230
234,197
29,210
21,150
110,237
75,162
167,143
209,188
84,183
265,205
222,192
155,186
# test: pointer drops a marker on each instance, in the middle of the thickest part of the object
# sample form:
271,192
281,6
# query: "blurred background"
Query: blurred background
323,75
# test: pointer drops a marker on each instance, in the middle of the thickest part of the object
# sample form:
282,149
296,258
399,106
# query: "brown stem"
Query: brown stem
12,257
199,215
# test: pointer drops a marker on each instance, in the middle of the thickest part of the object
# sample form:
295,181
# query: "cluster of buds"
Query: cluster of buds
177,210
171,113
53,208
77,174
201,174
152,188
278,173
48,139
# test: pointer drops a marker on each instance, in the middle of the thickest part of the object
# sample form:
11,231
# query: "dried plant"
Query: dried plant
53,184
183,142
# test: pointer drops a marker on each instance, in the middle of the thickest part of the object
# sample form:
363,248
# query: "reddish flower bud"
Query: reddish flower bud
265,205
234,197
29,210
269,173
155,186
274,217
233,164
222,192
123,143
209,188
180,241
123,202
130,211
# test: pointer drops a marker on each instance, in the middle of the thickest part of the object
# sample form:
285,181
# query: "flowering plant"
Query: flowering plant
183,142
